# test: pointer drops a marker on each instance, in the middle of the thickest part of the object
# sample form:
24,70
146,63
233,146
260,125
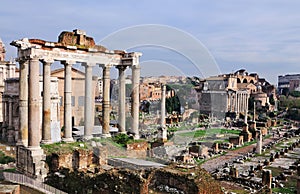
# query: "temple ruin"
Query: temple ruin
72,47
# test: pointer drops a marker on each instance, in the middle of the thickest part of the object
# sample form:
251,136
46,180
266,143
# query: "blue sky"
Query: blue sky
261,36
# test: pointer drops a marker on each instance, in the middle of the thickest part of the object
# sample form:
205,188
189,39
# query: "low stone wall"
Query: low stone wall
196,181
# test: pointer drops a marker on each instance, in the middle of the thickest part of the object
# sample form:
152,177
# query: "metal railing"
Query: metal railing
29,182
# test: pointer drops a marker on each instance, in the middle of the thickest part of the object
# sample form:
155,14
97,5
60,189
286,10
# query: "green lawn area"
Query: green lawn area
63,147
209,132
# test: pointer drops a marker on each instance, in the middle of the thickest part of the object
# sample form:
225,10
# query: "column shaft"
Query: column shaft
68,103
46,133
88,103
23,104
34,132
122,98
163,113
10,113
106,102
135,100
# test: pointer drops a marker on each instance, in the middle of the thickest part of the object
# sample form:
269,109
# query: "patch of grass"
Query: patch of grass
62,147
284,190
209,132
275,171
9,170
5,159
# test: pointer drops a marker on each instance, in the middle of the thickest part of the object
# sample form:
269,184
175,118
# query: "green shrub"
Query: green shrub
5,159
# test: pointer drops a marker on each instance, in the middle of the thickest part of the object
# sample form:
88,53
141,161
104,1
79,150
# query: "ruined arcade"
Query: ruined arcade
72,47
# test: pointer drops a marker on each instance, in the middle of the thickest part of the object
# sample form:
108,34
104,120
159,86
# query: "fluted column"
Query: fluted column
68,102
106,102
135,100
88,102
122,98
23,103
34,132
46,132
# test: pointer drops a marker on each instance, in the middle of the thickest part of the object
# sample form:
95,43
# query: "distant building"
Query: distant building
294,85
287,83
150,91
220,96
78,89
2,51
7,70
228,94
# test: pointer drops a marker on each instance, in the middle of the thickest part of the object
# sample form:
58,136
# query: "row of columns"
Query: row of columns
29,96
237,102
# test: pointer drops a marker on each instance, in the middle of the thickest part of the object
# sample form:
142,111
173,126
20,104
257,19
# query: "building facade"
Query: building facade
77,96
228,94
288,83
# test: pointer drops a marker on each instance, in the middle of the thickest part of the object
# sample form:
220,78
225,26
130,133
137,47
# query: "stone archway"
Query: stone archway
245,81
238,80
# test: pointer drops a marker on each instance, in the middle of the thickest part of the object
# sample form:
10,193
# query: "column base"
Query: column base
34,148
68,140
106,135
87,137
22,143
135,137
46,142
123,132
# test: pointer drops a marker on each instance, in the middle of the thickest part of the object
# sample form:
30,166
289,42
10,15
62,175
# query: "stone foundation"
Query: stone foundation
31,162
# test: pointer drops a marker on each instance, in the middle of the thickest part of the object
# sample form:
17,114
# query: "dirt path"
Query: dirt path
213,164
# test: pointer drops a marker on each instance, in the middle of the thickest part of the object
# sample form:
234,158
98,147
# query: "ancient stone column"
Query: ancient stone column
34,132
267,178
106,102
46,132
259,143
246,109
23,103
163,113
68,102
88,102
135,100
122,98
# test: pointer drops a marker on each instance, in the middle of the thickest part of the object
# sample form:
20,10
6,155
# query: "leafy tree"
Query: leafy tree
295,94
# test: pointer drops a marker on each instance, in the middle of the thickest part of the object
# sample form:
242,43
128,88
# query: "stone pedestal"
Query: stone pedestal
30,161
234,172
267,178
246,134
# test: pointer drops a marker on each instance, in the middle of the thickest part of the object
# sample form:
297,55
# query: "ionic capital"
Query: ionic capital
121,67
105,65
34,58
47,61
85,64
22,60
68,62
